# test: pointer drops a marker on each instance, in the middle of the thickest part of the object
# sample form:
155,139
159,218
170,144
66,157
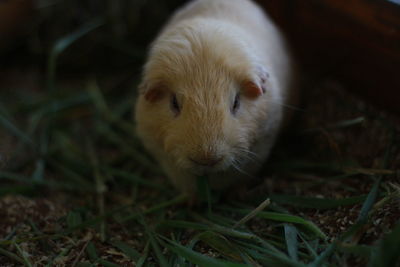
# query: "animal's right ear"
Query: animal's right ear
257,83
153,93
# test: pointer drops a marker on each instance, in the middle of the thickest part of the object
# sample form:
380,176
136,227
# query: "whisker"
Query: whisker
287,106
247,157
244,153
236,167
251,153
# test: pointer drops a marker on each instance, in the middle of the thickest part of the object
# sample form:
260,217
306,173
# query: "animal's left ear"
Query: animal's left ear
257,85
153,93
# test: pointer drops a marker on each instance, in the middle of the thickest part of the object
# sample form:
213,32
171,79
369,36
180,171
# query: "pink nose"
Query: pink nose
207,162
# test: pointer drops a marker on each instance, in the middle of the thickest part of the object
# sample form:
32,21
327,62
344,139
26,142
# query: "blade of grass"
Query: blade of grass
73,219
363,251
291,241
270,250
15,177
81,252
17,189
129,251
43,243
101,105
338,125
221,220
73,176
48,183
367,171
316,203
94,257
12,256
369,202
284,218
387,253
4,111
271,255
85,264
120,142
91,252
72,153
132,177
100,187
144,256
221,244
253,213
23,256
347,123
63,44
262,258
38,174
183,224
229,231
6,124
324,255
53,106
92,221
204,192
308,246
373,194
177,200
162,261
63,252
106,263
197,258
181,261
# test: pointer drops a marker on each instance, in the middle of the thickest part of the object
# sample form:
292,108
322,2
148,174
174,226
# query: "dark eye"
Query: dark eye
236,103
176,109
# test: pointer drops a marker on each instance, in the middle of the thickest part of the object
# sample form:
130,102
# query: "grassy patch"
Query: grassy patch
78,189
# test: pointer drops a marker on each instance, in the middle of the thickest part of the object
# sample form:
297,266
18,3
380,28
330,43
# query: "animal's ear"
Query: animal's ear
251,89
153,93
257,84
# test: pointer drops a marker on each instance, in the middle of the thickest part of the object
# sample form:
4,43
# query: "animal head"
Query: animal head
201,100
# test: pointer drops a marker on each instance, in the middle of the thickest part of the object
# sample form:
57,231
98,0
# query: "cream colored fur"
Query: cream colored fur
203,55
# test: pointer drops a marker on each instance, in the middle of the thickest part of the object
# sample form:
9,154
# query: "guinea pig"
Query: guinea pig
213,93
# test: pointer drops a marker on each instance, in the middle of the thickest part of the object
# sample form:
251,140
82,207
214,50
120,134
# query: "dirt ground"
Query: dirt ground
330,126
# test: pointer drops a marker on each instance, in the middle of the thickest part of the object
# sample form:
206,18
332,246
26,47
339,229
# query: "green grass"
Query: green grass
80,143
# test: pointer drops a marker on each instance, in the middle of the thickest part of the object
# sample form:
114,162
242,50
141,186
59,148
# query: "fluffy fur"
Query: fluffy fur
205,55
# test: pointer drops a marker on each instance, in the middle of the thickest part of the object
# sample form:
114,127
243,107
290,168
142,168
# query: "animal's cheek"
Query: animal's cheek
235,134
175,150
151,134
169,142
150,125
173,143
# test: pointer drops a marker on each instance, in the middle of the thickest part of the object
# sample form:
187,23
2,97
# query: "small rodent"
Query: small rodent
212,97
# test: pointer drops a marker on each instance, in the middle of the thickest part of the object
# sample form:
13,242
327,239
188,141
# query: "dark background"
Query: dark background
355,42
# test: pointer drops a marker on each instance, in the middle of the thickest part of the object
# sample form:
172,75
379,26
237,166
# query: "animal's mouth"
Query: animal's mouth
208,162
219,166
206,170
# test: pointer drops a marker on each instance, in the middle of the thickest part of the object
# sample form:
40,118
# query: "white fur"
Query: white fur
204,55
